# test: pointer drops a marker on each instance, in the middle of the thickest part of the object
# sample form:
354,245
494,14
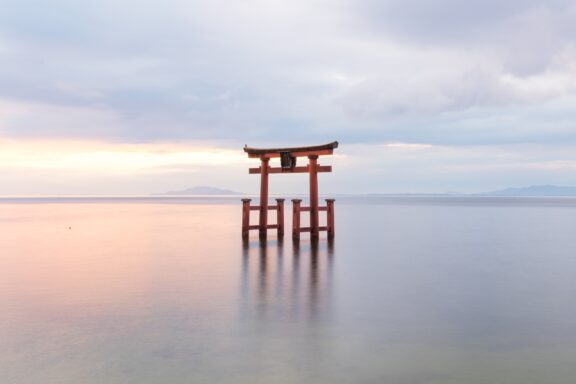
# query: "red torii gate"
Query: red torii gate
288,157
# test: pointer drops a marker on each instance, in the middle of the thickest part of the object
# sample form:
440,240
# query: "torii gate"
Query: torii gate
288,157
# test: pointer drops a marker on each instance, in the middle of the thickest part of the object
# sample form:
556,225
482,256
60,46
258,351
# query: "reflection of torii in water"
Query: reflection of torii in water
288,158
277,290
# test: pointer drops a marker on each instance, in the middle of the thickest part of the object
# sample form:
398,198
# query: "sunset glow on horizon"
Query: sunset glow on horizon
102,157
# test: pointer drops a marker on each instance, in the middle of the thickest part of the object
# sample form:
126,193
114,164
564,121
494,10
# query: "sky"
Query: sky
424,96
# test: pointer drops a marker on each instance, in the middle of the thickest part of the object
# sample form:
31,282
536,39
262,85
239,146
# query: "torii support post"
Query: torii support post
245,217
297,228
296,218
280,217
330,217
263,197
312,164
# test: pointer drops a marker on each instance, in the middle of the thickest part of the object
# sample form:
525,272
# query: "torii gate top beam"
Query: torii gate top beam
316,150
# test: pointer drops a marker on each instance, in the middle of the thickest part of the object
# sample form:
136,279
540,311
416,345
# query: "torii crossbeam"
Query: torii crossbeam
288,158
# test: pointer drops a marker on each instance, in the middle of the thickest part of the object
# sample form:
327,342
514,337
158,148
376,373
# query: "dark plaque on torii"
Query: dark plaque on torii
288,158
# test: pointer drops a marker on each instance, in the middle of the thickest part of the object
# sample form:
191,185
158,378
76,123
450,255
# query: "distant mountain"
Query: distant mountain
202,190
534,190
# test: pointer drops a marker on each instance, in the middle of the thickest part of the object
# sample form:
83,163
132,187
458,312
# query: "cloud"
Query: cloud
428,95
525,35
451,20
403,167
100,157
264,72
48,166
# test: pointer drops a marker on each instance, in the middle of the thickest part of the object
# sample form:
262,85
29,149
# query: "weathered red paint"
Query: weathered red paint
264,197
330,218
280,216
313,161
296,218
245,217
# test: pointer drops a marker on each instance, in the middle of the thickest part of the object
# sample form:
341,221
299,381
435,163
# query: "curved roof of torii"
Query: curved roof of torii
313,148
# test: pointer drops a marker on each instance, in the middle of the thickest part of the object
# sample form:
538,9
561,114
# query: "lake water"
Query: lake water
411,291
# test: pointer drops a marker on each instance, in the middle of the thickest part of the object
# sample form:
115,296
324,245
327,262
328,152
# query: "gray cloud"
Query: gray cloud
526,36
259,72
452,20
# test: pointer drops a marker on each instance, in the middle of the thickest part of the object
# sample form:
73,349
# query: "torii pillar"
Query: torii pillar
288,158
312,169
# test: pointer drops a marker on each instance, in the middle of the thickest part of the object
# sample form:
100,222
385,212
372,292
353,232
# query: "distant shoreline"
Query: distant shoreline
235,199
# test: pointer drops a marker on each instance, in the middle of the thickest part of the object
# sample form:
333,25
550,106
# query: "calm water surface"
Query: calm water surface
412,290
